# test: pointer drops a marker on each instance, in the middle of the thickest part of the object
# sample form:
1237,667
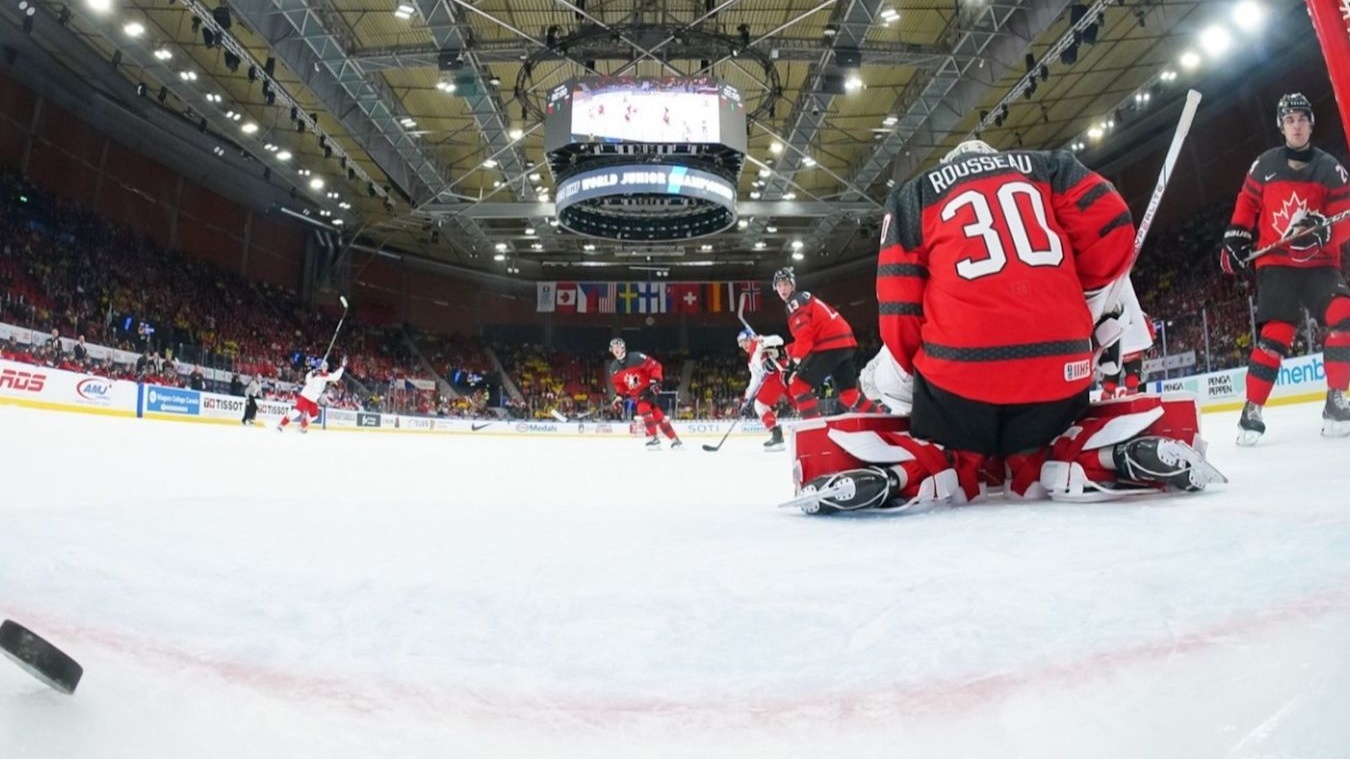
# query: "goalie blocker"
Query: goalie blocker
1144,444
39,658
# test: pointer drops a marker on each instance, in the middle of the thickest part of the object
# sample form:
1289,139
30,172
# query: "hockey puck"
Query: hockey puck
40,658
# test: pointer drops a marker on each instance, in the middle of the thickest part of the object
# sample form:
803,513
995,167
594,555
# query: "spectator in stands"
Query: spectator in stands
236,385
80,351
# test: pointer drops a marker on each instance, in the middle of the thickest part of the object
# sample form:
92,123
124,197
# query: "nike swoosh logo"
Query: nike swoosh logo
477,427
1269,177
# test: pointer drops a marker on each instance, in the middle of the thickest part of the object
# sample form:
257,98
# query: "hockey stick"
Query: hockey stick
343,300
1115,290
725,435
1342,216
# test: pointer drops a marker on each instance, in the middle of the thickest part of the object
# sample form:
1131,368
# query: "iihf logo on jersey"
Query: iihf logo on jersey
1295,208
633,381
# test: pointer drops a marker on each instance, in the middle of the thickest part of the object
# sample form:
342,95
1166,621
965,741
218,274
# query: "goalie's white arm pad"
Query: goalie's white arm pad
1117,316
884,381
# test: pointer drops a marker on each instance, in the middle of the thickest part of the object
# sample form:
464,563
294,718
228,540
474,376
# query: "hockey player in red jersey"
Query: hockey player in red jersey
307,400
987,266
638,376
822,346
766,386
1288,195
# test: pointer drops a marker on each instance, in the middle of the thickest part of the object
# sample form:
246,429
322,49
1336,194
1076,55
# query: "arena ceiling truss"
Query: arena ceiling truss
424,118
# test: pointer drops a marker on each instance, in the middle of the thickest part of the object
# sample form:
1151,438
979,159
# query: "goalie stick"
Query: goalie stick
1331,220
1115,290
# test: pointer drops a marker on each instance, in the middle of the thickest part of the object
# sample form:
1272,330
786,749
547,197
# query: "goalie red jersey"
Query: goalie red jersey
965,241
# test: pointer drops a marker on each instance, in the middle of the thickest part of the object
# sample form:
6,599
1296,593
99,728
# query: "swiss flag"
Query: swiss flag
685,297
567,297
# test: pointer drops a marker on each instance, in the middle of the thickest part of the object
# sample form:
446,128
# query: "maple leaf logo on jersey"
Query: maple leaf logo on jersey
1295,208
632,380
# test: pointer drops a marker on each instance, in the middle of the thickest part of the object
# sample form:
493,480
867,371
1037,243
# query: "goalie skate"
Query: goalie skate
852,490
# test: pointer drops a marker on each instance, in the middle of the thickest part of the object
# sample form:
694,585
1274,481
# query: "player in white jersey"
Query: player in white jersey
307,401
766,386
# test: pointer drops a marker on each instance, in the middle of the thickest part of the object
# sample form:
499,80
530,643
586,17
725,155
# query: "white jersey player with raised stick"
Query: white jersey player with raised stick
306,405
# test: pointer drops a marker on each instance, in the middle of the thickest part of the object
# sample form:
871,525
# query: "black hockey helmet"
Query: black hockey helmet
1294,101
785,274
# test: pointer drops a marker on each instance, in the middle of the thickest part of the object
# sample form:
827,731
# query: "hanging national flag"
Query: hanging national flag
653,298
685,297
595,298
748,293
628,295
715,296
545,301
567,297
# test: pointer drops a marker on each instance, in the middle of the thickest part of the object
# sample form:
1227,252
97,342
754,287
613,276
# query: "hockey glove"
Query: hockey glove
1311,231
1237,246
748,409
790,370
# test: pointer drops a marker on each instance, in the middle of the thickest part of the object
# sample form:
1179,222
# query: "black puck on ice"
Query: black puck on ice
40,658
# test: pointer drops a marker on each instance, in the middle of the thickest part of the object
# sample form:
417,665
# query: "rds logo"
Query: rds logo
94,389
19,380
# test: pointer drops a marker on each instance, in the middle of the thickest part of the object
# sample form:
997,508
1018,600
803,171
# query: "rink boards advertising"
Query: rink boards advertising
1301,379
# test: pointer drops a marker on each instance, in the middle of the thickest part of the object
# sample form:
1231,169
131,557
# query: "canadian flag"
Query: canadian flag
567,297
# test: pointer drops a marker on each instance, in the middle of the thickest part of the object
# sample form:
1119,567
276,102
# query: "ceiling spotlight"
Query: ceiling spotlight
163,54
754,194
1215,40
316,184
1190,59
516,133
760,245
284,155
890,16
490,164
771,230
797,255
446,87
408,122
776,147
535,177
529,230
1096,133
249,128
797,244
499,256
588,247
501,247
99,6
337,222
188,76
134,29
790,196
404,11
853,83
808,162
890,121
742,224
1248,15
705,248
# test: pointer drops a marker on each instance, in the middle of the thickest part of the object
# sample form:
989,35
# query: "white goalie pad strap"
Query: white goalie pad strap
870,447
1066,481
1122,428
943,487
884,381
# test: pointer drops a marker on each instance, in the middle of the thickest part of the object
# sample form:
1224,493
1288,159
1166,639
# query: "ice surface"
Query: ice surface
238,593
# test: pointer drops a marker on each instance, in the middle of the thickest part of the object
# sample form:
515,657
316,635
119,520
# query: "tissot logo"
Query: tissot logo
477,427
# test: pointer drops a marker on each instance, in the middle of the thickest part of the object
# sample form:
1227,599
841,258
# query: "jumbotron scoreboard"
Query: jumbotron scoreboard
646,159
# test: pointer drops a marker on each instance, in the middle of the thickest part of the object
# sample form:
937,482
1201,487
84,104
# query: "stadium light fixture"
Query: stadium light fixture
890,16
99,6
742,224
771,230
853,83
1249,15
516,133
797,255
284,155
797,244
1216,40
535,177
1190,59
490,163
163,54
1096,132
316,184
499,257
134,29
249,128
790,196
776,147
501,247
529,231
760,245
808,161
754,194
404,11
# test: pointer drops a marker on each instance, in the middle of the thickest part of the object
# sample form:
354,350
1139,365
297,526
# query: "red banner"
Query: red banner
1331,19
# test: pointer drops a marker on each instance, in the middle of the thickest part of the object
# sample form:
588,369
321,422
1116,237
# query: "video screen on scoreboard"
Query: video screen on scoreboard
663,111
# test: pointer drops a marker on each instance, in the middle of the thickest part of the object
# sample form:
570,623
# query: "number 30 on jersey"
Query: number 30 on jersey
986,228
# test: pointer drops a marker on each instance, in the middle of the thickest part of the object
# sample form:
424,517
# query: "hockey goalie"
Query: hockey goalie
1003,284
